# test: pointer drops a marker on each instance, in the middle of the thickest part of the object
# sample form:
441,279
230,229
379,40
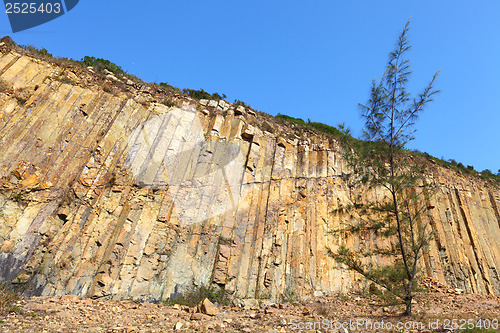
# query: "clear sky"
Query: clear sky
313,59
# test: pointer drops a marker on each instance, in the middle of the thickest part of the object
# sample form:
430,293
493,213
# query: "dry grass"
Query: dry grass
8,297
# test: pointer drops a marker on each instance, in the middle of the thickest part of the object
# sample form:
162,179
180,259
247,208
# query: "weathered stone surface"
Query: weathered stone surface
74,218
250,303
207,307
199,316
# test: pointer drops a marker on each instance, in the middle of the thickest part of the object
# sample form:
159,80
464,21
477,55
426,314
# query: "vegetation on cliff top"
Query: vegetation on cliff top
341,135
100,65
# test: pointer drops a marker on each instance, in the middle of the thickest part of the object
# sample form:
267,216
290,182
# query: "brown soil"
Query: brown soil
73,314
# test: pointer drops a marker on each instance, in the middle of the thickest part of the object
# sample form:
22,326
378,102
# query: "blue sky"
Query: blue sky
311,59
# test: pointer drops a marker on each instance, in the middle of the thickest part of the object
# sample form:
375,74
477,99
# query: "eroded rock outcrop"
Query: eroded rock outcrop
86,206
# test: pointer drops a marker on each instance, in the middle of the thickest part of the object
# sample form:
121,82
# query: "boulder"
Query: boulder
207,307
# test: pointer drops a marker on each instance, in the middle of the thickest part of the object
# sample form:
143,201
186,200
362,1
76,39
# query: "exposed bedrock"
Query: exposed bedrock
118,195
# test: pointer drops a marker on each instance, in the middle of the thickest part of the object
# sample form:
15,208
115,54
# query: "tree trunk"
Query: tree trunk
408,305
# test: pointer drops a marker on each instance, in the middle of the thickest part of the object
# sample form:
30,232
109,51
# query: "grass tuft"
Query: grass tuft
8,297
195,295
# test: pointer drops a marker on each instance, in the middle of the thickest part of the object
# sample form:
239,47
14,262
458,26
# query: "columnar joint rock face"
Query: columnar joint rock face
79,215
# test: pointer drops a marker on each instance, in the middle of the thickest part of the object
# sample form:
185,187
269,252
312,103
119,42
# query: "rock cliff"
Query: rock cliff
106,191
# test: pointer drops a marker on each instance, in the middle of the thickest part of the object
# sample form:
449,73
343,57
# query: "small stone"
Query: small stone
7,246
268,304
254,316
199,316
178,326
238,303
111,77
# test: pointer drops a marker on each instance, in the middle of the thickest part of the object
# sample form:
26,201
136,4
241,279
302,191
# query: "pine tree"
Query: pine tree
382,162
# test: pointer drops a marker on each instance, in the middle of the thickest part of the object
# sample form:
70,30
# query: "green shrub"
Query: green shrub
342,136
289,296
107,89
41,51
8,41
21,100
202,94
488,174
291,120
169,88
237,102
225,240
373,289
194,296
168,102
8,297
65,79
100,65
265,294
267,127
325,129
198,94
313,126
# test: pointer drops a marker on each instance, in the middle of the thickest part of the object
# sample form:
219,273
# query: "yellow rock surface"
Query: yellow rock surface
74,215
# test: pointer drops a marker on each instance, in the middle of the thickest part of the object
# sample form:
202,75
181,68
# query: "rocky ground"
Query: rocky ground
345,313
